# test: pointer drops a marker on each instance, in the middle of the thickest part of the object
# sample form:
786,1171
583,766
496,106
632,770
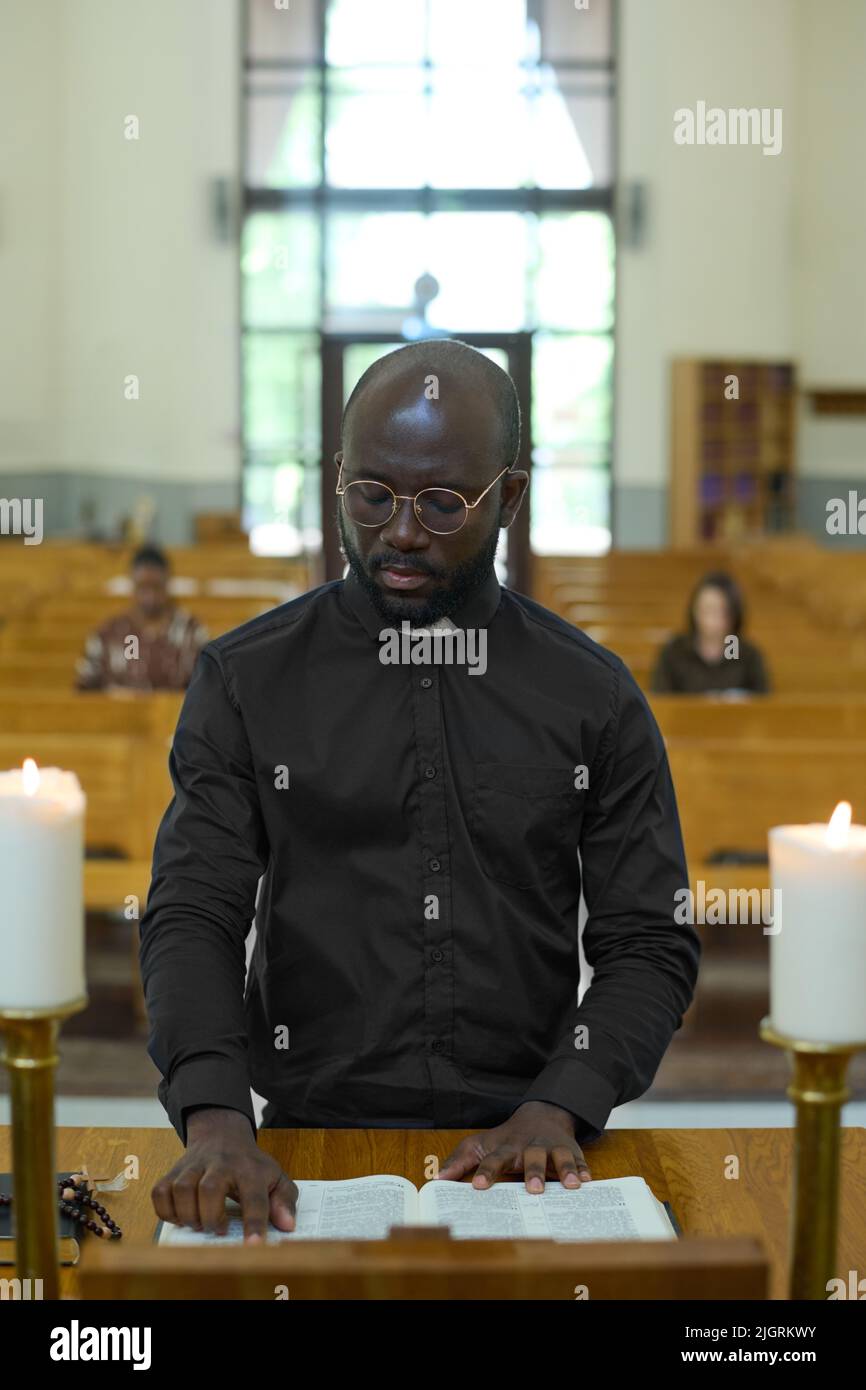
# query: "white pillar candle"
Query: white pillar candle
41,887
818,958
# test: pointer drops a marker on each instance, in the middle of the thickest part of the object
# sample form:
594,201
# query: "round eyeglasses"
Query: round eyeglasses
439,509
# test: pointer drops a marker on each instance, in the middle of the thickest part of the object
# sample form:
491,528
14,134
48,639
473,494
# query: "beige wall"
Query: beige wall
746,253
716,272
107,252
830,246
30,271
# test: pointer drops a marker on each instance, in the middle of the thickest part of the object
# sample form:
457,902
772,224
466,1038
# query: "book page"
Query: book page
605,1209
349,1208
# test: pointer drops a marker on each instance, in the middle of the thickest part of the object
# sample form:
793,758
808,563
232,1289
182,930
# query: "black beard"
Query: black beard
464,581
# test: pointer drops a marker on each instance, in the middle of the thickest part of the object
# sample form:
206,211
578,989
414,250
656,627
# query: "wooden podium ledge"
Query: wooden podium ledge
420,1262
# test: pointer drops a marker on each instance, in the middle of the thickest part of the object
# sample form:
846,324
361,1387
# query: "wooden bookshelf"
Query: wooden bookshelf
732,460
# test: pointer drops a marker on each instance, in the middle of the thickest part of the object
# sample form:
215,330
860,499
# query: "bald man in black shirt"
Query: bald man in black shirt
423,831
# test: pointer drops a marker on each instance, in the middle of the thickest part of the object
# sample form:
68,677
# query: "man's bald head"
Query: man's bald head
433,415
398,385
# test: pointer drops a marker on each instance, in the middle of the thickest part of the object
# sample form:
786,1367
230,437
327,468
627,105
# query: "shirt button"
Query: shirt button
434,865
438,1045
429,772
437,955
426,682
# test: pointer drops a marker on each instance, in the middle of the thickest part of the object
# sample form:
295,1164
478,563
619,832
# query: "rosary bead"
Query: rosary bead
72,1202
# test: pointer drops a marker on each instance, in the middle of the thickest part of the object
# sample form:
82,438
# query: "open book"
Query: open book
366,1209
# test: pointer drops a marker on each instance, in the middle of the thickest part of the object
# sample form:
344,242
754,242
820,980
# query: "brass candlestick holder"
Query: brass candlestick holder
819,1090
30,1054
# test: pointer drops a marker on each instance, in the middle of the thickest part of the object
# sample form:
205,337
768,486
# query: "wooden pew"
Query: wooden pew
45,670
128,788
134,730
801,662
86,560
739,768
124,777
733,786
729,792
669,573
46,711
64,625
63,567
788,577
92,607
825,583
107,885
786,717
727,727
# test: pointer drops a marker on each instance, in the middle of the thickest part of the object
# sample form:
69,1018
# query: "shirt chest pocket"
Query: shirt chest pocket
524,822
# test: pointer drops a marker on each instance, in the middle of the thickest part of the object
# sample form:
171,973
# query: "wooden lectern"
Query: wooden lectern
423,1262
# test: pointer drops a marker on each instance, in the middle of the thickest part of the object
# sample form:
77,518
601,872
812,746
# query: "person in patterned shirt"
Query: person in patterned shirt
151,646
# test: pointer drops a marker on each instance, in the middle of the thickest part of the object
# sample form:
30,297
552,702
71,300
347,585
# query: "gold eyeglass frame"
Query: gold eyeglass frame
403,497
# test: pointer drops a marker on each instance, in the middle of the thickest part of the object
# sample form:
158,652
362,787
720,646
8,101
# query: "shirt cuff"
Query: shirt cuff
206,1081
573,1086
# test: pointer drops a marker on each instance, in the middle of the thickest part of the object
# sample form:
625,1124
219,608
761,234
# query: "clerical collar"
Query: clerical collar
476,612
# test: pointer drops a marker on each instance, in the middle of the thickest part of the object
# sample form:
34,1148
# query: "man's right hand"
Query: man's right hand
222,1159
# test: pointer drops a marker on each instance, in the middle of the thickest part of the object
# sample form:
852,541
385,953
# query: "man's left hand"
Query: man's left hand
535,1136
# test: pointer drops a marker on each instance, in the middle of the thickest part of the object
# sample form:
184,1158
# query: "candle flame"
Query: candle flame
839,826
30,777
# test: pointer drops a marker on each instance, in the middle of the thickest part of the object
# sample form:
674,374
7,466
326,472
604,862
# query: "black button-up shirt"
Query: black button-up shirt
422,835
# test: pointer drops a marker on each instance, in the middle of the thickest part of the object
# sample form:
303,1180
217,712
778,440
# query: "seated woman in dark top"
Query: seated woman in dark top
712,658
